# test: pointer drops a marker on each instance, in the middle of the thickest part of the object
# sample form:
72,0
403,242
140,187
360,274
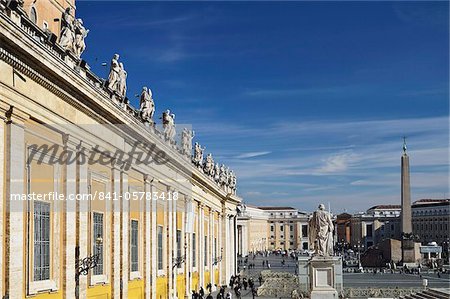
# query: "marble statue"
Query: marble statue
67,35
217,173
113,78
169,125
80,34
147,105
321,232
186,141
222,175
122,84
198,155
209,165
232,181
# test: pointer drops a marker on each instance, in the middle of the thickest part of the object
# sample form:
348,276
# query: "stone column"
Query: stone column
147,240
70,219
14,177
220,247
174,245
154,263
125,235
188,247
83,217
116,213
3,109
169,247
211,248
200,243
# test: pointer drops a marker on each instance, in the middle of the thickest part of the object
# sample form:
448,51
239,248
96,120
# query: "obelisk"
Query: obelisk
406,226
408,253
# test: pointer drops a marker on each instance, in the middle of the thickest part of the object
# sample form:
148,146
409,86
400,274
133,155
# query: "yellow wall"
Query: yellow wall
207,278
99,292
216,277
161,287
181,285
136,289
194,281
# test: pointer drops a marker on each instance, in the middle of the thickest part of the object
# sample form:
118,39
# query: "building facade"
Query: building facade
377,223
102,223
430,220
272,228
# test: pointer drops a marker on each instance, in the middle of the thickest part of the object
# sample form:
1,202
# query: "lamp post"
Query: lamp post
84,265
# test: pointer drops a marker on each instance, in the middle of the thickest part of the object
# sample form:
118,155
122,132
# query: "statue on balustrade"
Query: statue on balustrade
209,165
80,34
222,175
168,120
114,71
217,173
147,106
232,181
197,159
122,84
186,141
321,232
67,34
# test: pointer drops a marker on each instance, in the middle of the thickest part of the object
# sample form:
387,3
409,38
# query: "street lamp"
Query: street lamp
180,259
218,259
84,265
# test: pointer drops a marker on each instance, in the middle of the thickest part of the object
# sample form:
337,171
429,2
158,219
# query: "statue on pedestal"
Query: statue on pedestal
67,35
80,34
147,105
217,173
113,78
186,141
198,155
321,232
169,125
222,175
122,84
209,165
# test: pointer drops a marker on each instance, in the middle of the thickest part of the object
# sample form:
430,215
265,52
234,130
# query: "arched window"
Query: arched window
33,15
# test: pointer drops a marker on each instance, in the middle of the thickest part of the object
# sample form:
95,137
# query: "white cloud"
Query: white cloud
338,162
252,155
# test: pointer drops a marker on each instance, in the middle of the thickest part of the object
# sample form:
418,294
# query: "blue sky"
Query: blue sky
306,101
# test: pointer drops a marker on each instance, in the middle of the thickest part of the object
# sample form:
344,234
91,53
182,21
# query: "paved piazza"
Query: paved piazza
353,280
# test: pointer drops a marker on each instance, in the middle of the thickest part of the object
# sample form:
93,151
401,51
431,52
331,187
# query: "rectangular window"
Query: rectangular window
98,248
271,228
369,230
304,231
160,247
206,251
134,245
41,240
292,228
215,248
179,253
194,251
281,227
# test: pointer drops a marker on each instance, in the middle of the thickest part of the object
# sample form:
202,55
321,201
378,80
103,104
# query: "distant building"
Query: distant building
343,228
271,228
430,218
377,223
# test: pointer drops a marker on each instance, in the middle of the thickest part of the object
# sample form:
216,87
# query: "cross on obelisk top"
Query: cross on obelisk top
404,145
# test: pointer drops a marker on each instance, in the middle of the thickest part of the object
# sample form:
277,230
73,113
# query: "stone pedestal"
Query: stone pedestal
320,277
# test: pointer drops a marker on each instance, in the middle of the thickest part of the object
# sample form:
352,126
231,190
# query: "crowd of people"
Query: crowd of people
237,285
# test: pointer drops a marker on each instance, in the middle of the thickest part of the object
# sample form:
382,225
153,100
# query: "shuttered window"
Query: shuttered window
160,247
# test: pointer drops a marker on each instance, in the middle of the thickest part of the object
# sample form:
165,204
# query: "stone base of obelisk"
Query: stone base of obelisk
410,253
320,277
